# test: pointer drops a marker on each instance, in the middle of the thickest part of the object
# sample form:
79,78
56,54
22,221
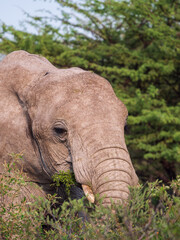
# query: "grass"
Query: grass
152,212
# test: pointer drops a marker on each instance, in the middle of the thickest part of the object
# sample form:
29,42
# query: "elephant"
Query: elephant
64,119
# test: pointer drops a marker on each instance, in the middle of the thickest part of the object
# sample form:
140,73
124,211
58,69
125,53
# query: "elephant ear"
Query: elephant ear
15,126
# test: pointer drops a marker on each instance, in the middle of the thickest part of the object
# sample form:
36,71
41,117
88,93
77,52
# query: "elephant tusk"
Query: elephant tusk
88,193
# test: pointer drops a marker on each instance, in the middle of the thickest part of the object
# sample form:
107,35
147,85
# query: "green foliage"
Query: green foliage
156,128
16,220
152,212
135,44
66,178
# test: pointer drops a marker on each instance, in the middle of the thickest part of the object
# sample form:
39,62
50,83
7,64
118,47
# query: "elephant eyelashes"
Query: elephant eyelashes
60,132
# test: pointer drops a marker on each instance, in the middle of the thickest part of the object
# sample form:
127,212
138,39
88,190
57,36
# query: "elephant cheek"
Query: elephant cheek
53,157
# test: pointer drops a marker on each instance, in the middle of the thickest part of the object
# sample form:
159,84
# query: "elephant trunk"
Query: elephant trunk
114,174
109,168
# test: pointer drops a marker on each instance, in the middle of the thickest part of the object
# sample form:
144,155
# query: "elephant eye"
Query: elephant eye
60,132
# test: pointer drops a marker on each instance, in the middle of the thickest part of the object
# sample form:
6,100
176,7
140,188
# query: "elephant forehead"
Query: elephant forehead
85,89
88,110
83,96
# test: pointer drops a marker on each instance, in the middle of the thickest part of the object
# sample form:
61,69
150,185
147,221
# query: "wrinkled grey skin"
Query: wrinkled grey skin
64,119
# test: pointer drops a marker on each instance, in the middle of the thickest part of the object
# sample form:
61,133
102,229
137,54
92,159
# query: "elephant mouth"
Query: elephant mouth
88,193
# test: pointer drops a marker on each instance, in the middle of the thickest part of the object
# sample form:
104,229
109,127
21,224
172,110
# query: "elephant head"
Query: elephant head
72,120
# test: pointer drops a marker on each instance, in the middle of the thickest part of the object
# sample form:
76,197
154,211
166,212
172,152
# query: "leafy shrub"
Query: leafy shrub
65,178
152,212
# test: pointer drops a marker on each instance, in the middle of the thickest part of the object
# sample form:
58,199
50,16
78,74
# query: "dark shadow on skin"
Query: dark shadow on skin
77,193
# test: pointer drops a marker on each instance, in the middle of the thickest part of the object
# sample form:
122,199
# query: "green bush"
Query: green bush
152,212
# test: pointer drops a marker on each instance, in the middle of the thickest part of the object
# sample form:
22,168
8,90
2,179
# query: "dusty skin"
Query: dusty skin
64,119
